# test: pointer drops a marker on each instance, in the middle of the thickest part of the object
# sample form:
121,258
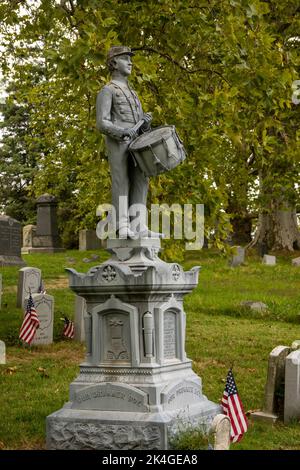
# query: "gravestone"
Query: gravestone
238,257
80,314
0,290
221,428
254,305
10,242
269,260
292,387
274,389
29,281
295,344
29,232
296,262
44,305
136,388
46,238
2,353
88,240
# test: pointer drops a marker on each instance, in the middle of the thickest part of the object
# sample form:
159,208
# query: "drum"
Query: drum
158,150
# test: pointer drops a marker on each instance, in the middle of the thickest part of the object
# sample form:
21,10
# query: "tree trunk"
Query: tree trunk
277,230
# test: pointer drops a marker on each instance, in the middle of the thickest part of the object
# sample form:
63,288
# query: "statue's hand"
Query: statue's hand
129,134
147,118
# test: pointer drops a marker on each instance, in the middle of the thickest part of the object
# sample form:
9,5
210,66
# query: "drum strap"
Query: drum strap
127,98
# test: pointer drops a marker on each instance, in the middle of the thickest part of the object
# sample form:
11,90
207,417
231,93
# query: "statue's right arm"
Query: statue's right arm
103,114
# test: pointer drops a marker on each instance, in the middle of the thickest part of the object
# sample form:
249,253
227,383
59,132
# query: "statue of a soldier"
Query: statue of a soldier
119,113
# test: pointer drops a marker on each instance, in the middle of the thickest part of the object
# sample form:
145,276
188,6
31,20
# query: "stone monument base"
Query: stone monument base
71,429
136,388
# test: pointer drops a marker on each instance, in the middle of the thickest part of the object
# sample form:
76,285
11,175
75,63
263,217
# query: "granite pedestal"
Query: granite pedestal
136,388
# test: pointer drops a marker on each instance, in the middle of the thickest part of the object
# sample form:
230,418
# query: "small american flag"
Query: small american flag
69,329
30,323
233,408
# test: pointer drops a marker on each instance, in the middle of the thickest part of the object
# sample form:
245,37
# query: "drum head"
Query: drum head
152,137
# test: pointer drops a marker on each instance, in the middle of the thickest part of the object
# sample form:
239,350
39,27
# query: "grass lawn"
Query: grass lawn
219,333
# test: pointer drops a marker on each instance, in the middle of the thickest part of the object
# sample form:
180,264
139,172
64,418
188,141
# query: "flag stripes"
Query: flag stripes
30,323
69,329
233,408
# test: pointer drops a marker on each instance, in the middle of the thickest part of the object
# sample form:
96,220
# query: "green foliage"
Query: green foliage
215,340
221,72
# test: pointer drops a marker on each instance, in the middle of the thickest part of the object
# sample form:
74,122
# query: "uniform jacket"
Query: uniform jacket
118,108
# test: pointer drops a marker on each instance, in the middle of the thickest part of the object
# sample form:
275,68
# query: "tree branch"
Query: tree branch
173,61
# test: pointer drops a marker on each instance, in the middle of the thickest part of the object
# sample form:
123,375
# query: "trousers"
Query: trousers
127,179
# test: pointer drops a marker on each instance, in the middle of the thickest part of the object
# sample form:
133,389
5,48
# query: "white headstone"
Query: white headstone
292,387
296,262
269,260
44,305
80,313
2,353
221,429
29,281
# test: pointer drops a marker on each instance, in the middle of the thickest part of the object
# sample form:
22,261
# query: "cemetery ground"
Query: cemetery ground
220,333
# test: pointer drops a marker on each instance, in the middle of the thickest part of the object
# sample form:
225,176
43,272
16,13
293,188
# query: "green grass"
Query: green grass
219,333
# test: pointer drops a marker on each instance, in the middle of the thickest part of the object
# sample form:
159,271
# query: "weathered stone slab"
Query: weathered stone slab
2,353
274,388
88,240
296,261
253,305
238,257
44,305
292,387
80,313
269,260
29,281
10,242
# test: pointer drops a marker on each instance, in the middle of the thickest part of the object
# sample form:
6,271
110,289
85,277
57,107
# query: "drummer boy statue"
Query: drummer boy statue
121,118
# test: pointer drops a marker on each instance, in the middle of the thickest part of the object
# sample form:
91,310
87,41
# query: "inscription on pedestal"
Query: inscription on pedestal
169,335
181,395
110,397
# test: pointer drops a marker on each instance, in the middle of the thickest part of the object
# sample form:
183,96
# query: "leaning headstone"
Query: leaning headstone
10,242
292,387
2,353
80,313
238,257
274,389
29,281
46,238
253,305
88,240
269,260
44,305
0,290
296,262
220,428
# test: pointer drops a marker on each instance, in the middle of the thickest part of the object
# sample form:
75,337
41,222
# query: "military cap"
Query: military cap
114,51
